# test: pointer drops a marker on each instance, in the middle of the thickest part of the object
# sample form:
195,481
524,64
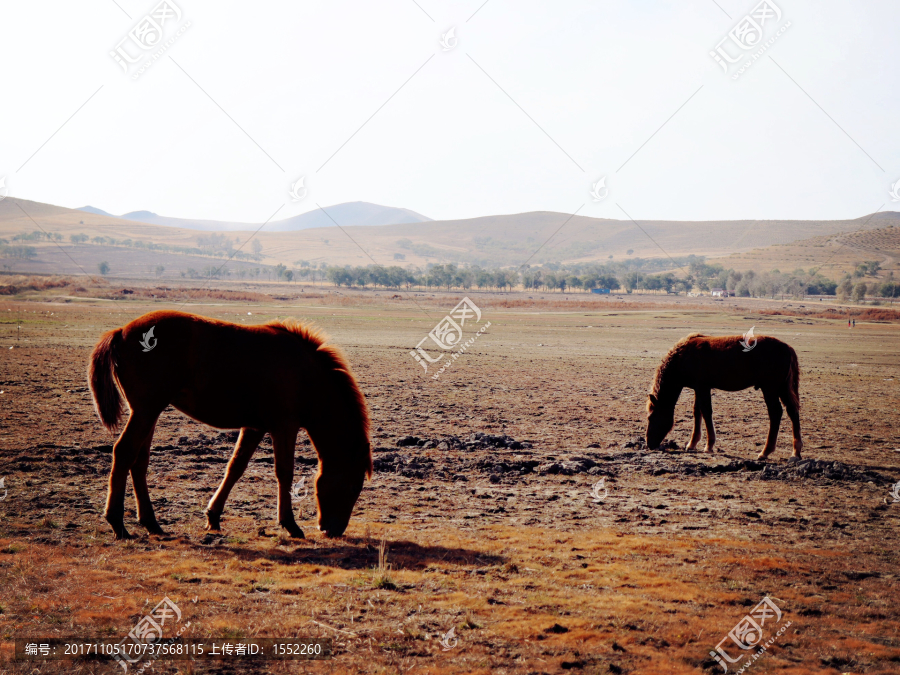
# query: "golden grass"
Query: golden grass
502,588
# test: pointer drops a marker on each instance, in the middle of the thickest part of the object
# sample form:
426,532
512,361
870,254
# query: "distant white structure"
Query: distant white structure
718,292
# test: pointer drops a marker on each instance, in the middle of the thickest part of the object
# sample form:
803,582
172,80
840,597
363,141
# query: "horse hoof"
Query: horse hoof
119,529
213,521
154,529
332,530
294,531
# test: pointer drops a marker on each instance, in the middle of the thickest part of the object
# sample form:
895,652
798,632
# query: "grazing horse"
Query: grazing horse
704,363
274,378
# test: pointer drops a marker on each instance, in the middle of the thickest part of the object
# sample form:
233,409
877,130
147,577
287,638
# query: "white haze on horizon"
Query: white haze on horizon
600,78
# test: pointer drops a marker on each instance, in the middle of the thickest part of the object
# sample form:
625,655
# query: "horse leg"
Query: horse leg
774,406
141,494
704,399
794,414
243,451
284,444
698,416
137,432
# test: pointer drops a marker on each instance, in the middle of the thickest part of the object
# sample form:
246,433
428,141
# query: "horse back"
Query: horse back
726,363
224,374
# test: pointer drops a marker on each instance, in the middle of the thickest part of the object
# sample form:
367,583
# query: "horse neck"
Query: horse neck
669,385
338,436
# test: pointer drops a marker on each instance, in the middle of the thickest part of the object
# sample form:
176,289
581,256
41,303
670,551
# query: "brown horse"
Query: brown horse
276,378
705,363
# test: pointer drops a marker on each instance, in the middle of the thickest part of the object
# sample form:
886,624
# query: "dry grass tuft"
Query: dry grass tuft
382,577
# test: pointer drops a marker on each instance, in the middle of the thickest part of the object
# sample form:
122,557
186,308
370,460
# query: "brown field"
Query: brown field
505,545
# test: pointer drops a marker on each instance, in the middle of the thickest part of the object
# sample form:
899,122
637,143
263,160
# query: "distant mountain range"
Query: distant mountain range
349,214
533,238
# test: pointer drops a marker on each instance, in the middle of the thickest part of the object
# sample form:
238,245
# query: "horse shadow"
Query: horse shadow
354,553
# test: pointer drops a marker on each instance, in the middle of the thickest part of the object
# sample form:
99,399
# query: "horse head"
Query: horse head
660,420
338,486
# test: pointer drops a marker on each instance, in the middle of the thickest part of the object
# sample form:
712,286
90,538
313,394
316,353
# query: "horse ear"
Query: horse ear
651,401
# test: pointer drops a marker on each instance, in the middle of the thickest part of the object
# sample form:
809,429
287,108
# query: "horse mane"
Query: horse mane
332,359
668,360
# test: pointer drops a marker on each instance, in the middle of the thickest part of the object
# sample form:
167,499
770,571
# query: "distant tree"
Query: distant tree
78,238
629,251
159,270
256,247
630,281
339,276
289,275
215,243
889,289
104,268
18,251
859,292
607,281
844,289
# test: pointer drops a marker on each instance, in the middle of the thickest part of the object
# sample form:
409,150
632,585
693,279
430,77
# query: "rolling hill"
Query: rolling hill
501,240
832,254
348,214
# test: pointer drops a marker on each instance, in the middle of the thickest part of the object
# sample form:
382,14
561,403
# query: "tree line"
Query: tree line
694,276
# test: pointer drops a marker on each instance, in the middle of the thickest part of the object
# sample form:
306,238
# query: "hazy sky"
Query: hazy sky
533,103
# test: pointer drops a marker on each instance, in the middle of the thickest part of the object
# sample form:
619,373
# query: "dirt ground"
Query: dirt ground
513,499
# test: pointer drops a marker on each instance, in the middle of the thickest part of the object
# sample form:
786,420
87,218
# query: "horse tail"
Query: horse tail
102,380
793,378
